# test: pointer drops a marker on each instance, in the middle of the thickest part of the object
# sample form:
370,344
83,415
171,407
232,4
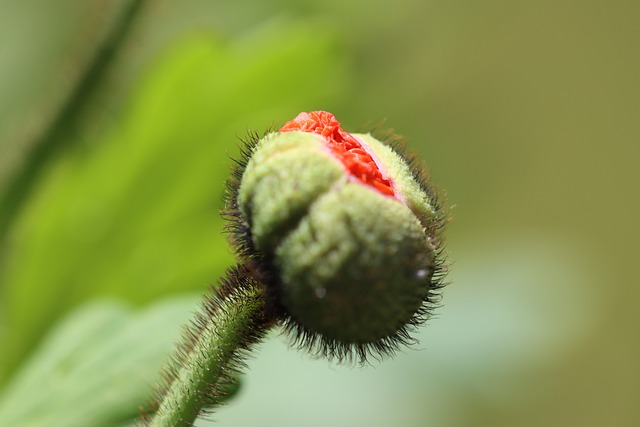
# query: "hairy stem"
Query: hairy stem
232,321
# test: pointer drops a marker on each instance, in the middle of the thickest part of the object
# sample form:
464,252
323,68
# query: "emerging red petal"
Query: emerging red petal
347,149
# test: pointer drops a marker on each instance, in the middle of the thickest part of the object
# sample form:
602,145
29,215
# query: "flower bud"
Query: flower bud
346,232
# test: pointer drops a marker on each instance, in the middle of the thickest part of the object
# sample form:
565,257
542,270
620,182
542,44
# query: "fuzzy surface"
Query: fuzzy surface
287,173
409,190
353,264
357,267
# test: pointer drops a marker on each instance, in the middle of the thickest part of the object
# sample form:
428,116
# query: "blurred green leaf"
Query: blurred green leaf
137,216
96,367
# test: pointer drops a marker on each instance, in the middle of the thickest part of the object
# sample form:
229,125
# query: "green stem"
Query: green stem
56,136
211,355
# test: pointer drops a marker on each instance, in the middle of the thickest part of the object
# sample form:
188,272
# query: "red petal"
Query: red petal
344,146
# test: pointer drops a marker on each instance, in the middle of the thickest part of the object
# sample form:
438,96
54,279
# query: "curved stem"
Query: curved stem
232,321
55,137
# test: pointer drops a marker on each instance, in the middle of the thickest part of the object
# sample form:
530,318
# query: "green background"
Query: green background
526,113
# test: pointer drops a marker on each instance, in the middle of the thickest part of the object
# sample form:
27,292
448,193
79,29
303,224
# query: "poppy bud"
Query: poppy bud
346,233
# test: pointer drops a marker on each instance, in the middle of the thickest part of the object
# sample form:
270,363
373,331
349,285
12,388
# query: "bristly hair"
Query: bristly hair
420,174
234,289
439,223
264,271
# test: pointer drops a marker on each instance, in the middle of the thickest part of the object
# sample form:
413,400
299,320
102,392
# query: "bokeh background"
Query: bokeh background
118,120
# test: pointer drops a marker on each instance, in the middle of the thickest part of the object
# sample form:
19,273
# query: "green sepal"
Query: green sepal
403,180
286,174
357,267
349,263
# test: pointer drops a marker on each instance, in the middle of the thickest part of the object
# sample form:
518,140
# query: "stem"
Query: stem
233,321
56,137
